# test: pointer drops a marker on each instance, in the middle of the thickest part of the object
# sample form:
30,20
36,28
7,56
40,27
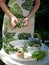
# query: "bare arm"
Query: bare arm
35,8
5,8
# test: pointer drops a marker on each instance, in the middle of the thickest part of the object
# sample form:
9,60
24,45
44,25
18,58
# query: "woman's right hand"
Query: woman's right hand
14,20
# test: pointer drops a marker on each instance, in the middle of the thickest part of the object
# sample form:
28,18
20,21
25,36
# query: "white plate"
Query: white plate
26,61
18,43
14,56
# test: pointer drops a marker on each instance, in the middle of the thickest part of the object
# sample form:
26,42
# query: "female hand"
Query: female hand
14,20
26,20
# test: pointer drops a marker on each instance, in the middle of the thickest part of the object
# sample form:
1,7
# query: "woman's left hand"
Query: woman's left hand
26,21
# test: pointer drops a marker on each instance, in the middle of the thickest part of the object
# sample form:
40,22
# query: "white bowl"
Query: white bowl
32,49
18,43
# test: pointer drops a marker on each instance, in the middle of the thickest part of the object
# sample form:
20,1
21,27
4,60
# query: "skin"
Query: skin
13,19
34,10
3,6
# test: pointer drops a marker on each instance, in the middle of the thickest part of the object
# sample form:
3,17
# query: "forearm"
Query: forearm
5,9
34,10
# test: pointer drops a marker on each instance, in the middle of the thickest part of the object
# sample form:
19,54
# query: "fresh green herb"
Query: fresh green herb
7,39
11,49
24,49
39,55
31,43
16,49
24,35
19,24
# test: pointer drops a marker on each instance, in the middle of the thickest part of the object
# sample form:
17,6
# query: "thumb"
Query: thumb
13,22
16,21
25,19
25,23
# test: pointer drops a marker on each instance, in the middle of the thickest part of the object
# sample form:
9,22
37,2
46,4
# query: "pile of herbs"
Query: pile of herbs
11,49
25,49
7,39
19,24
33,42
39,55
24,36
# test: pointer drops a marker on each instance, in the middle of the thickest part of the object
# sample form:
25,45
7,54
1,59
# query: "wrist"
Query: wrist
5,9
10,15
29,17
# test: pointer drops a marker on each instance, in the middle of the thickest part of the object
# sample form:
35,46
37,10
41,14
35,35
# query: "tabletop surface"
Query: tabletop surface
9,60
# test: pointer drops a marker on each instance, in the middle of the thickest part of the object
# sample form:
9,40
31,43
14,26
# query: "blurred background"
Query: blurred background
41,22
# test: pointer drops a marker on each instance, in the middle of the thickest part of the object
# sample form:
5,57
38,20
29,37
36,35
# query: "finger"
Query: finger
25,23
25,19
12,22
15,21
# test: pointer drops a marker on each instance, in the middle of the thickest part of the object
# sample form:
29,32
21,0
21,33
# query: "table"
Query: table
9,61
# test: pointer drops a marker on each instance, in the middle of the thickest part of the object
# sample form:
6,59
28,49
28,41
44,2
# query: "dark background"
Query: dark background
41,22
